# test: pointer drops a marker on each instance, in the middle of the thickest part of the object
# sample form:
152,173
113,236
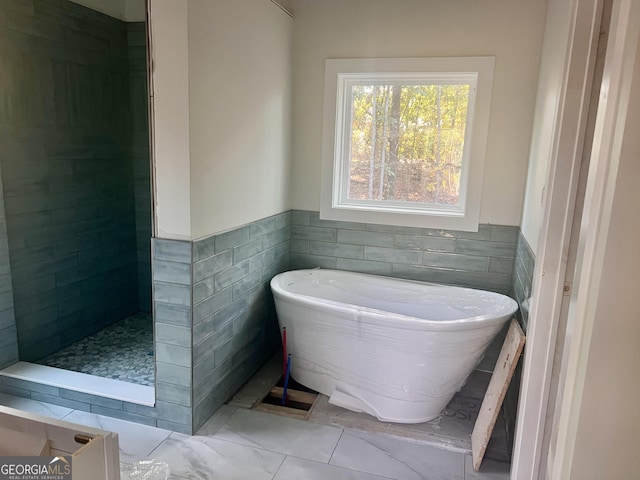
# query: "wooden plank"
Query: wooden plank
280,410
295,395
502,374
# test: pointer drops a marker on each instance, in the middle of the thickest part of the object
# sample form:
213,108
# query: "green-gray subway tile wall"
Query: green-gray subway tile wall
172,296
235,327
140,161
482,259
65,155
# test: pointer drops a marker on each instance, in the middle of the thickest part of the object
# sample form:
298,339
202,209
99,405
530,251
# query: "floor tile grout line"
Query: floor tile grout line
347,469
239,409
336,446
254,447
284,455
133,424
214,437
65,416
464,466
279,467
159,443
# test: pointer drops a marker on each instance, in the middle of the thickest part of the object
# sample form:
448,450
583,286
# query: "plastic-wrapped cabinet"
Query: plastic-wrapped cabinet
94,453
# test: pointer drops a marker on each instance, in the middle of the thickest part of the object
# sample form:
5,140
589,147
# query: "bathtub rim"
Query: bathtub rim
377,317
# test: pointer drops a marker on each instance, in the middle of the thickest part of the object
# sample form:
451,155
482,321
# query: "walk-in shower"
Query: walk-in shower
74,163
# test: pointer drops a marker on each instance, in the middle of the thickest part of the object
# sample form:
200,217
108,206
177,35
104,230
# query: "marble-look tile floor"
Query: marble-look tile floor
122,351
237,443
451,430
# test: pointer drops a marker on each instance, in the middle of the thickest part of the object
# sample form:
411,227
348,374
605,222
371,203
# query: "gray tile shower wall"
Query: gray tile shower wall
137,50
68,186
482,259
8,336
234,324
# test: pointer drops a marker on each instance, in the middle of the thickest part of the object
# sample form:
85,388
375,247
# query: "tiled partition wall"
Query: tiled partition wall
172,286
215,321
64,154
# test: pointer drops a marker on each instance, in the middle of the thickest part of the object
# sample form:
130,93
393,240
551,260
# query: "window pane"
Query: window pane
407,142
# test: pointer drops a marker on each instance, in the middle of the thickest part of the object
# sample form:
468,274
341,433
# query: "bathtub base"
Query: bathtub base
384,408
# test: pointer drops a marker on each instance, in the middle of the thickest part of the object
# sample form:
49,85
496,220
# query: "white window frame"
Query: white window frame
341,75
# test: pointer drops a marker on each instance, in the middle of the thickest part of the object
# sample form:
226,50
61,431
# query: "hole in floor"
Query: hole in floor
299,402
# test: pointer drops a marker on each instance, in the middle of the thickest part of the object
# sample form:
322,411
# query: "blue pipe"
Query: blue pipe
286,380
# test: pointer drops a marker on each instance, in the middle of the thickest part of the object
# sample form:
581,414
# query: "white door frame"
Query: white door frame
551,258
609,135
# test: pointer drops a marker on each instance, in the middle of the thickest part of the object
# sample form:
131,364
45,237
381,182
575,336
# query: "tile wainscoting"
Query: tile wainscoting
522,280
523,277
235,329
482,259
215,322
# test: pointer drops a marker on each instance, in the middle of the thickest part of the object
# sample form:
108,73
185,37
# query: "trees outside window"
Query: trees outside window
404,140
407,142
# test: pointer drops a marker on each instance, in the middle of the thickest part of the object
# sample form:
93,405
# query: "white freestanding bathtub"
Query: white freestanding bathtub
395,349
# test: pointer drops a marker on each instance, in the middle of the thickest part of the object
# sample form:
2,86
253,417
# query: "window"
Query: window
404,140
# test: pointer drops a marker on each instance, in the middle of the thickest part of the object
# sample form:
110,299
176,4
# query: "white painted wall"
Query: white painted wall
510,30
170,104
126,10
222,114
554,53
240,104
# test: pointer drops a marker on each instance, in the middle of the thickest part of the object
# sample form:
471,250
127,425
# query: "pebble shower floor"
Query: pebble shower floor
122,351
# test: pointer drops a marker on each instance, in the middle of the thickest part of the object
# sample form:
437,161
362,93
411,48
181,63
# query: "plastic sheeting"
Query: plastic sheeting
132,468
401,365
